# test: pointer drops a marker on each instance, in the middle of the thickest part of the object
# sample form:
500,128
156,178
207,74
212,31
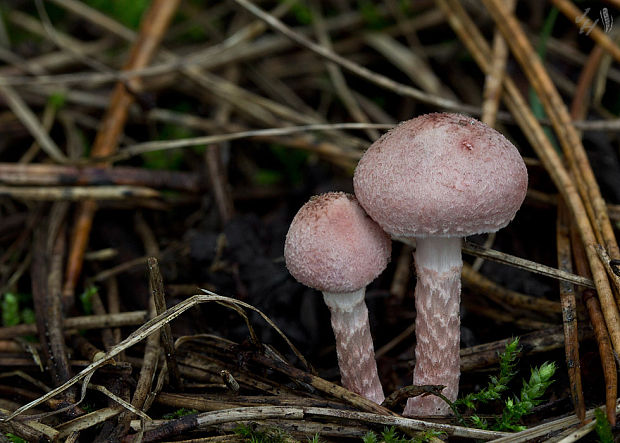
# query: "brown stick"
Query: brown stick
46,265
152,29
560,118
597,320
145,380
216,169
51,174
89,351
322,385
472,38
493,80
579,110
79,241
497,293
606,353
156,284
580,102
99,309
569,312
487,354
573,150
86,322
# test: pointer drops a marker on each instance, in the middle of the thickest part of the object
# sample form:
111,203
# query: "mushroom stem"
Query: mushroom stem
354,346
437,298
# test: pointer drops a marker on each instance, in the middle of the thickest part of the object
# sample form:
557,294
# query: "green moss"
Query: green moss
252,434
85,299
128,12
180,413
389,435
14,438
603,427
372,16
10,310
514,407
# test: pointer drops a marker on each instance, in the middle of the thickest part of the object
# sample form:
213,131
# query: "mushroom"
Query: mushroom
334,247
437,178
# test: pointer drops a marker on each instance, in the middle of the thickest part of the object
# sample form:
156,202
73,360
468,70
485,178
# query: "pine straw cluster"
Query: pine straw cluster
252,83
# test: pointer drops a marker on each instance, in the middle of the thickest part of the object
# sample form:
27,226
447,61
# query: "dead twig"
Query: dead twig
156,283
197,421
50,174
569,312
152,326
48,254
470,35
605,348
154,23
494,77
27,117
86,322
497,293
77,193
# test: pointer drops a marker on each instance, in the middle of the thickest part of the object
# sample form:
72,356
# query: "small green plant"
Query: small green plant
180,413
86,297
498,384
301,12
251,434
531,394
371,14
171,159
10,310
389,435
12,314
128,13
14,438
514,408
289,164
57,99
603,427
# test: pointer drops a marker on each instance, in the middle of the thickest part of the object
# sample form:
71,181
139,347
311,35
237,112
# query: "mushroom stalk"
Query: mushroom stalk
438,266
354,346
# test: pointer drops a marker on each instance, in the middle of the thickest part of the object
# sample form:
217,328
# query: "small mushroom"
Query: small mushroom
437,178
334,247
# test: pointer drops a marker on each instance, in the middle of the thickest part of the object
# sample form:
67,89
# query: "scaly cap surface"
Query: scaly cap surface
333,246
441,175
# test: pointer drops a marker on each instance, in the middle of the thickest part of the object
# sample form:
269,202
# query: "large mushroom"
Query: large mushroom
334,247
437,178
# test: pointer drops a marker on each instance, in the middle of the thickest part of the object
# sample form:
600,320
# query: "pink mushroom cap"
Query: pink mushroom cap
333,246
441,175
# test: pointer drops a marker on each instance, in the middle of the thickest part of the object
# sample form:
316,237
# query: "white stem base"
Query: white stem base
437,295
356,354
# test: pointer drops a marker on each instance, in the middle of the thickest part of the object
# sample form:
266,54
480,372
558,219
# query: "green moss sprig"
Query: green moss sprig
515,407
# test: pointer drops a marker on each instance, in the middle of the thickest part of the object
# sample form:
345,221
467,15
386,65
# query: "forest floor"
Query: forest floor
154,153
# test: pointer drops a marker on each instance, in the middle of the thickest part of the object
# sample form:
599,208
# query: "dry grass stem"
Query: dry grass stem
156,283
569,312
77,193
148,328
27,117
467,31
355,68
85,322
154,23
495,292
